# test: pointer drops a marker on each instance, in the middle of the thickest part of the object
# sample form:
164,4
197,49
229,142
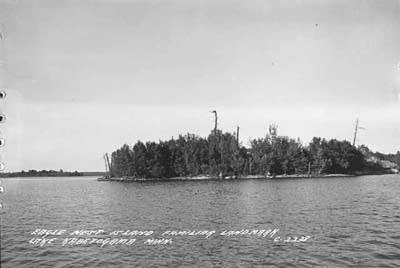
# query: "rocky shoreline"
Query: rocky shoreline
207,177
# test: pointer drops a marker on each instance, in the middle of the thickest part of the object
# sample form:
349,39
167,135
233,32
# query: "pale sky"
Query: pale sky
84,77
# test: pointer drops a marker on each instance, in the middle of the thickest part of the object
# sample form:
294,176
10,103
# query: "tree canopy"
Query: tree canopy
220,154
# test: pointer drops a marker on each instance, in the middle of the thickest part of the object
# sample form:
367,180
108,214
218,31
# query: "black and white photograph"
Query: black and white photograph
199,133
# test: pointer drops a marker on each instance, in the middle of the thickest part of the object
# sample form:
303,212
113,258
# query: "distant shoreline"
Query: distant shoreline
47,177
49,173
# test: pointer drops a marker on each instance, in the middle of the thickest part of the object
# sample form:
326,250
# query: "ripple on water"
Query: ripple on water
351,221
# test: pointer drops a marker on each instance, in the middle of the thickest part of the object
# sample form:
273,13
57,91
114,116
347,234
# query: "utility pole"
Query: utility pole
215,120
109,164
356,131
237,136
105,163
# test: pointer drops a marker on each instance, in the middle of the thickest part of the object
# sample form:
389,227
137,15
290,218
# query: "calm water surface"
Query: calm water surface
353,222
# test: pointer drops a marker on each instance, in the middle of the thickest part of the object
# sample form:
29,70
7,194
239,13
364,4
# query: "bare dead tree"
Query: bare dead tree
215,120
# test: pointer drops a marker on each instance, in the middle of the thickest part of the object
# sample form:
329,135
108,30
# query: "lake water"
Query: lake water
352,222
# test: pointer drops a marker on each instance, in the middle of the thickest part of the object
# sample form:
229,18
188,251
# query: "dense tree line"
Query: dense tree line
220,154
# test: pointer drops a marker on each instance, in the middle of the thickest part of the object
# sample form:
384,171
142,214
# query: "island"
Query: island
221,156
